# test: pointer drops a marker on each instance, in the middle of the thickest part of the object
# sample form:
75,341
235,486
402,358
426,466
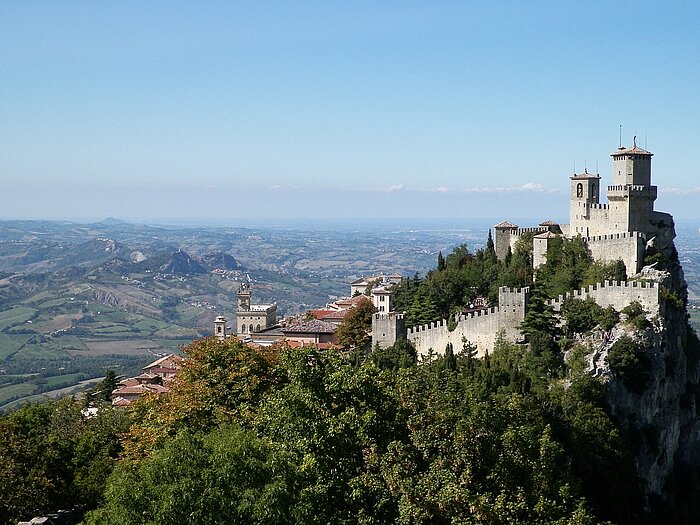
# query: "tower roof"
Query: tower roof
506,224
585,175
634,150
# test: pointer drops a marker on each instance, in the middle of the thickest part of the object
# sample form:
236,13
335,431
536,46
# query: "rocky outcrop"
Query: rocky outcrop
661,419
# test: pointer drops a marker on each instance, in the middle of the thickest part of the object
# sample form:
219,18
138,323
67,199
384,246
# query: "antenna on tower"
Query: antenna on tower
620,135
634,140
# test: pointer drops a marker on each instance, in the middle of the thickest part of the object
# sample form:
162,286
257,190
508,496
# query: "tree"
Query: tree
102,392
581,315
402,354
540,314
353,331
440,262
225,476
52,457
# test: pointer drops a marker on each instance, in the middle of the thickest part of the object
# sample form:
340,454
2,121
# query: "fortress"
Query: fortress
620,229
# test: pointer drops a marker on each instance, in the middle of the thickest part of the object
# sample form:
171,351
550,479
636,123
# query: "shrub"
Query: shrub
636,315
630,363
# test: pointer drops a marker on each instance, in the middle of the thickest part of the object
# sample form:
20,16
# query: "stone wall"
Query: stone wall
626,246
479,328
387,328
617,294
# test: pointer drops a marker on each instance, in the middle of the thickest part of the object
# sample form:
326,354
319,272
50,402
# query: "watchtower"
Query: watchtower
585,191
244,297
631,195
220,331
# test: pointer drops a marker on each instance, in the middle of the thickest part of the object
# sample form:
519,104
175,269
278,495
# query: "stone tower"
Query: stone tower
387,328
244,297
585,194
501,238
631,196
220,331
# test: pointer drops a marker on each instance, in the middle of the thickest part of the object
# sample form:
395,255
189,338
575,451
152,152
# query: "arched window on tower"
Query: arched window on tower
579,190
251,328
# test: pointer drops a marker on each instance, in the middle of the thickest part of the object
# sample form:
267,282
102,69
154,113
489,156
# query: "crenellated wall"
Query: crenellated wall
617,294
627,246
479,328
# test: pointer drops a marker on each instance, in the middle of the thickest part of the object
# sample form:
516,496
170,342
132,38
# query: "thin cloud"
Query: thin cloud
528,187
680,191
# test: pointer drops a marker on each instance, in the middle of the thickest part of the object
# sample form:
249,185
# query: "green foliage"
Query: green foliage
52,457
671,298
608,318
567,265
600,271
356,326
629,361
225,476
636,315
301,436
581,315
402,354
540,314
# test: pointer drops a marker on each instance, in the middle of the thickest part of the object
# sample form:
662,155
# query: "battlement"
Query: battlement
534,229
616,236
395,315
617,294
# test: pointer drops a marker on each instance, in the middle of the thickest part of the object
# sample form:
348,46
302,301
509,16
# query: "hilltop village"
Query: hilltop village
619,230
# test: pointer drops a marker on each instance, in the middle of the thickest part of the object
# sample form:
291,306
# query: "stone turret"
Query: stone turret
220,329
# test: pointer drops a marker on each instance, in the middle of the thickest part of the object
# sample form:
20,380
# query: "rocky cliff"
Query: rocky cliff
659,413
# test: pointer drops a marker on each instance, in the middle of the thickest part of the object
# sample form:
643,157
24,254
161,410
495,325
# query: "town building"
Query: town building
250,317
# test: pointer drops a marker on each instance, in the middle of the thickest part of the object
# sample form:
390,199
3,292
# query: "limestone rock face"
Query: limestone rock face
662,419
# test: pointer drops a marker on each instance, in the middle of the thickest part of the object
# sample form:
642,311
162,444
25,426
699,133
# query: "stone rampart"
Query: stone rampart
479,328
617,294
627,246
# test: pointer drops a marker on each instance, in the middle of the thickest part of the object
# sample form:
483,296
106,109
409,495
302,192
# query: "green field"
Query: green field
65,379
694,314
15,391
40,351
9,344
15,316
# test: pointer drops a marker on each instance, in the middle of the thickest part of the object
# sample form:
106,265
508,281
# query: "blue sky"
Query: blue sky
209,111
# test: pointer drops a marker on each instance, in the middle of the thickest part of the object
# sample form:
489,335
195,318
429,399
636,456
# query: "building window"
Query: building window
257,328
218,329
579,190
243,329
251,328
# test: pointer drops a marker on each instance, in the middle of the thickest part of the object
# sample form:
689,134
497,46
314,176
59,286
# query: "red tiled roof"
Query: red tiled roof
549,223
